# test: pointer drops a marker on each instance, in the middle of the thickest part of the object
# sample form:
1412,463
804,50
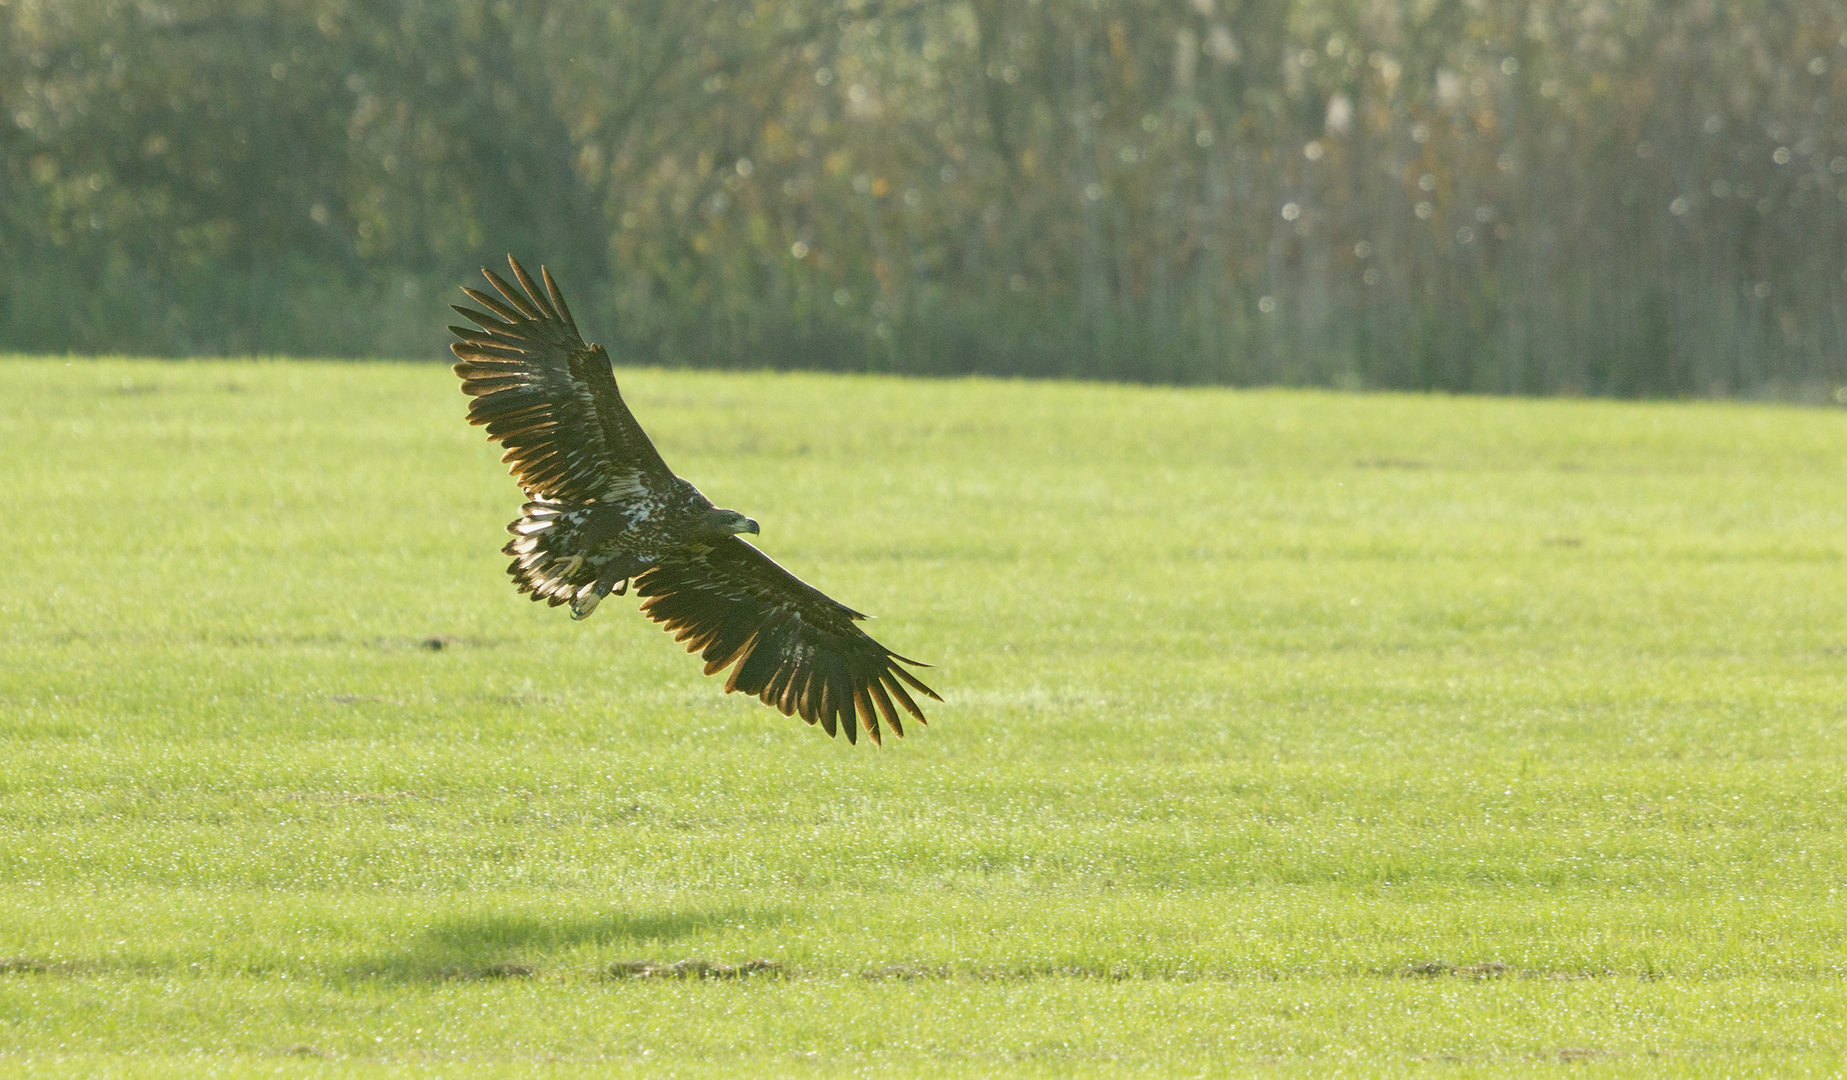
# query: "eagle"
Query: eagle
604,512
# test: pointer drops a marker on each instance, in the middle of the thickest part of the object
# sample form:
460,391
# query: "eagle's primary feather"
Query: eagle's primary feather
603,509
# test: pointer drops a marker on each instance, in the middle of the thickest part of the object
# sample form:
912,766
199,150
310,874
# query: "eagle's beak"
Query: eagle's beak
750,526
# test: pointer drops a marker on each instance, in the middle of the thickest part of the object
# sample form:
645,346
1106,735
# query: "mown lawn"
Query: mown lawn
1286,733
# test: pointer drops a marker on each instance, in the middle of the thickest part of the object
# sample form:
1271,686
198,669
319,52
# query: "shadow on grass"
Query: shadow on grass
503,946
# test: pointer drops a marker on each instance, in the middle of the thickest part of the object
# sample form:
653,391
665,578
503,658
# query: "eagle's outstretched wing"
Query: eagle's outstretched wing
550,398
795,648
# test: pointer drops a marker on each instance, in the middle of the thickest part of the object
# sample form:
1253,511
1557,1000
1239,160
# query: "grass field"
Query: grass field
1287,734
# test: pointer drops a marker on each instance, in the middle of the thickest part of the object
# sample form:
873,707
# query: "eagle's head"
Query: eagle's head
718,523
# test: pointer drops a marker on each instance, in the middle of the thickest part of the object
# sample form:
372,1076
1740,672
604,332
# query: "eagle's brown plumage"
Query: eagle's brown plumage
603,509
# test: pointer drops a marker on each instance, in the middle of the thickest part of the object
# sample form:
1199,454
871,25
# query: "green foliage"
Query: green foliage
1295,730
1630,198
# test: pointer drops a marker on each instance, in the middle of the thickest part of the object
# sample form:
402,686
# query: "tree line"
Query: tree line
1620,197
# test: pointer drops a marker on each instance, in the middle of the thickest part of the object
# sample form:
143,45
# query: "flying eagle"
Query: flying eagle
603,510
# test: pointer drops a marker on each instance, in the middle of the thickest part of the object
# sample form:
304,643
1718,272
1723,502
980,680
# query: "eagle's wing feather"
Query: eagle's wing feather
550,398
793,647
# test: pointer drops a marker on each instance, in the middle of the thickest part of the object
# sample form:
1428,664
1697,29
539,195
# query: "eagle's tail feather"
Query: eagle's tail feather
546,562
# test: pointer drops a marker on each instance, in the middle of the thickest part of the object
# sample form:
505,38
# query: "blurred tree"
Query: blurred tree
1591,196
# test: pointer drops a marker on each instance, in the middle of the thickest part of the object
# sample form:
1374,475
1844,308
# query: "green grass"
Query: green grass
1286,733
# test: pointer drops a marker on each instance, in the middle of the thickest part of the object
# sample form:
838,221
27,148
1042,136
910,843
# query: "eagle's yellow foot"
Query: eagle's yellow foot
585,603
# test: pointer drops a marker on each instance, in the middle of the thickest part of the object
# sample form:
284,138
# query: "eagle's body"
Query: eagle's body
603,510
580,554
